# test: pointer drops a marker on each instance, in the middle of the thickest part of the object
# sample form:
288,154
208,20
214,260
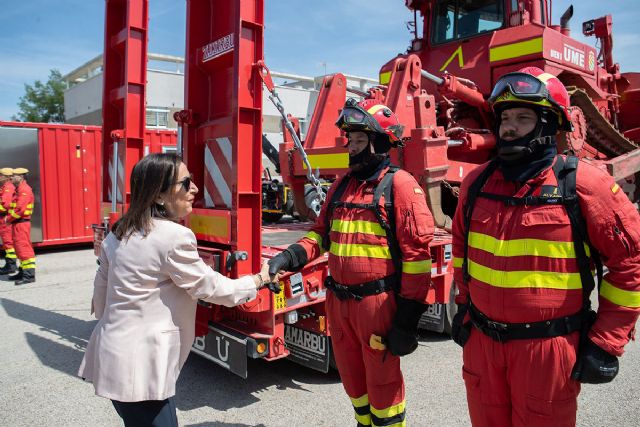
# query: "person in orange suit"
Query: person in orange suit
380,263
529,227
20,218
7,189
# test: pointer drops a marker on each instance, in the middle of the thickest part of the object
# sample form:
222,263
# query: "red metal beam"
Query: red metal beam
124,90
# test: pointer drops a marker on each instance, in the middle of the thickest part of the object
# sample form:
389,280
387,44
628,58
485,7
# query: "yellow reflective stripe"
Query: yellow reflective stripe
523,247
385,77
361,407
10,253
13,205
630,299
367,251
375,109
416,267
389,412
28,263
364,420
2,209
360,401
27,213
524,279
328,161
364,227
315,237
457,262
544,77
515,50
13,214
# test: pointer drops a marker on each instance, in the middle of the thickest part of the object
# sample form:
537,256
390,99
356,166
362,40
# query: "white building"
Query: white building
165,95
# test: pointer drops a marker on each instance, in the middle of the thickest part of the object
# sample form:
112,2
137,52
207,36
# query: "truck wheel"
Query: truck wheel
451,309
271,217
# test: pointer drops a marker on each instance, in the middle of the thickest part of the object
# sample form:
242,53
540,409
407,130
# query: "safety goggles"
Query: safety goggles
524,86
185,183
355,118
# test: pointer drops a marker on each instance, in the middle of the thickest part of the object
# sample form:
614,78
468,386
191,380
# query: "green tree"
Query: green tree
43,102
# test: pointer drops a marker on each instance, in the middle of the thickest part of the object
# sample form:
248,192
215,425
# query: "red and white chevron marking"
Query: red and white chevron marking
120,179
218,173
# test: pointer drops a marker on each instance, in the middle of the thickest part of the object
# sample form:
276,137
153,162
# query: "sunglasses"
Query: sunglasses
185,183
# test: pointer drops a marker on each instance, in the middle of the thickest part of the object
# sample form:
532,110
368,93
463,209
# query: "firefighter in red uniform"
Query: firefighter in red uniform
20,219
379,261
523,249
7,190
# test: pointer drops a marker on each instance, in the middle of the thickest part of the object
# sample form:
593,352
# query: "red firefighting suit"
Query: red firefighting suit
6,198
20,218
359,253
523,268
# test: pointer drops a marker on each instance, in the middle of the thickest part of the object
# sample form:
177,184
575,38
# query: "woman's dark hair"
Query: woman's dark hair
151,176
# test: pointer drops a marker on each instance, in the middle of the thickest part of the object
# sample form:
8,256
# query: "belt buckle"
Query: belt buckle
496,330
497,326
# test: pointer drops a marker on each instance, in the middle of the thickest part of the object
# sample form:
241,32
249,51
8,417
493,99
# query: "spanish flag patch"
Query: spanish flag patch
615,188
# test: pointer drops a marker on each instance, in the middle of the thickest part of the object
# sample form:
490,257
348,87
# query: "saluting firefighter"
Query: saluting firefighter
379,261
7,190
530,226
20,219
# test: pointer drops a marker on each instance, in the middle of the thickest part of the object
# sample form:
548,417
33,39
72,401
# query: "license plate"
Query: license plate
308,348
223,348
433,318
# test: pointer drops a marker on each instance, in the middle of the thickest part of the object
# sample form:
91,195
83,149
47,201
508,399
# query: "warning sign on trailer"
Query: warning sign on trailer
307,348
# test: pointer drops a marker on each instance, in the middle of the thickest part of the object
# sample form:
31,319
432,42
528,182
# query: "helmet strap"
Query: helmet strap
381,143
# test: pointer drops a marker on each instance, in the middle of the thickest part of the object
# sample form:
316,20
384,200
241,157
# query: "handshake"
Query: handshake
292,258
265,280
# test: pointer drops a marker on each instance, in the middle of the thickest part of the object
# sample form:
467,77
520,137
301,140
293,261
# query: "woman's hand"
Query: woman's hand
262,279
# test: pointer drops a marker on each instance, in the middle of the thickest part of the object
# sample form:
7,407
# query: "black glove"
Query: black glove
273,287
282,261
594,365
402,338
291,259
460,331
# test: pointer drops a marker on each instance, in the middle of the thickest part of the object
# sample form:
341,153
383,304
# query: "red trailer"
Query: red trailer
65,164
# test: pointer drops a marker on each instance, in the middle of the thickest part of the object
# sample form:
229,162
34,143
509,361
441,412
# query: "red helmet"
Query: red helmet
370,116
532,86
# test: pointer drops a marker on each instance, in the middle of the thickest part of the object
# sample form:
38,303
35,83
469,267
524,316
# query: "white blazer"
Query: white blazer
145,296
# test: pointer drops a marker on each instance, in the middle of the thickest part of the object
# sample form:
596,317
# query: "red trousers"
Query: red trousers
521,382
22,240
6,234
372,378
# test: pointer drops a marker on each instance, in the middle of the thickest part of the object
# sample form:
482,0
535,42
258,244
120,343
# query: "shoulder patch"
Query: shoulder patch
418,190
615,188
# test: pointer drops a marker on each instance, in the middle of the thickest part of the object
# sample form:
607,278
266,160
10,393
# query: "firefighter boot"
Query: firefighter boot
17,275
28,276
10,266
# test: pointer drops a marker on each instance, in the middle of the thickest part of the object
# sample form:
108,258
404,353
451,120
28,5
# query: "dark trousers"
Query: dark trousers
148,413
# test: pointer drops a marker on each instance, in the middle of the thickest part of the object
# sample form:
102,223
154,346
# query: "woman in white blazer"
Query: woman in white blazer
145,294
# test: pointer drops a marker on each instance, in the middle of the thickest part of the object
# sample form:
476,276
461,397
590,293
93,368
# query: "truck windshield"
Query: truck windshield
457,19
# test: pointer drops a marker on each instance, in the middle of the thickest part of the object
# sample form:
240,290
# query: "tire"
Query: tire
451,309
271,217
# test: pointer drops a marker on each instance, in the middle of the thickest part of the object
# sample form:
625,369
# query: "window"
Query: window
157,117
457,19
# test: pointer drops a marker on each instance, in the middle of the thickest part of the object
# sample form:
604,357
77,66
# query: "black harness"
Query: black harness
384,188
565,173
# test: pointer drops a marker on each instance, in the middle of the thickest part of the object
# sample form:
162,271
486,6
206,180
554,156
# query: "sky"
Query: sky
306,37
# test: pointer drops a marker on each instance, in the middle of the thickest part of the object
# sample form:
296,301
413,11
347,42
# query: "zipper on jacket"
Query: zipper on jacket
622,238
